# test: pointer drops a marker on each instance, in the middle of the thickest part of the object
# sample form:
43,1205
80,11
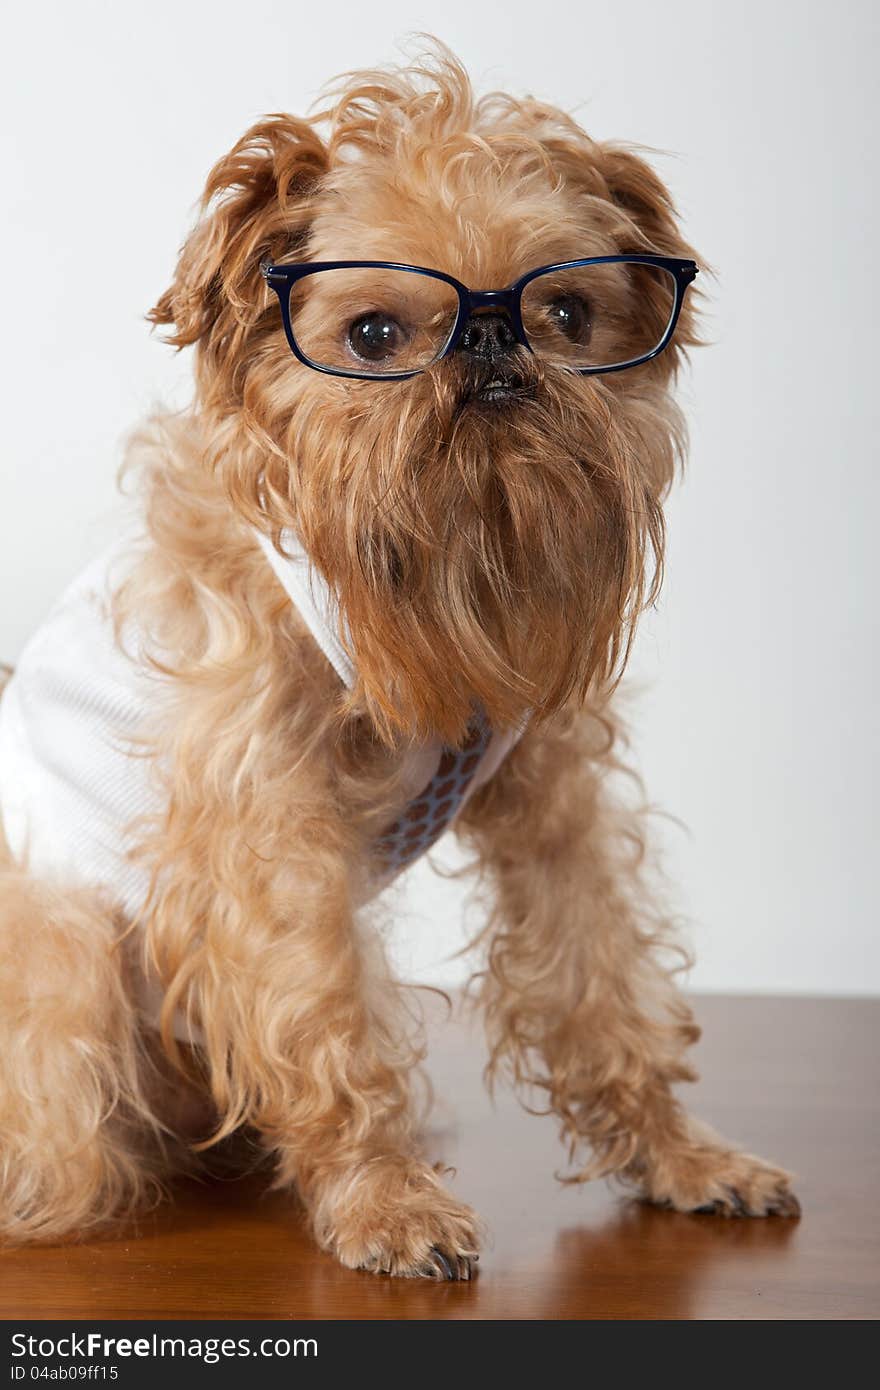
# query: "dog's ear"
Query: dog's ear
647,221
257,202
632,186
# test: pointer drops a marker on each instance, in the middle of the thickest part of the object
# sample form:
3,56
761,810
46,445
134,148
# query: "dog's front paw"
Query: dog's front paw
394,1216
713,1178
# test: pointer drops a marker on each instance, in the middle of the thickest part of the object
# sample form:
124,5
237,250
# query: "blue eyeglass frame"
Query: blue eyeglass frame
280,278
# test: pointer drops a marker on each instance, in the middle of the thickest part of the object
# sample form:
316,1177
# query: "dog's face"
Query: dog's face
489,542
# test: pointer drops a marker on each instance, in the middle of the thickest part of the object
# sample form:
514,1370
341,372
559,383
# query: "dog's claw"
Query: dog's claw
736,1201
441,1263
453,1268
783,1203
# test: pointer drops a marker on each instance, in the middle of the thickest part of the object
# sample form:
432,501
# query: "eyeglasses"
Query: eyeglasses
381,319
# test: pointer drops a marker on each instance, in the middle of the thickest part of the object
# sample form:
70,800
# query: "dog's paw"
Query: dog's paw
395,1217
714,1179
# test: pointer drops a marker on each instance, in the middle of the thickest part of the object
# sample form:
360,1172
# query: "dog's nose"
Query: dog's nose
487,335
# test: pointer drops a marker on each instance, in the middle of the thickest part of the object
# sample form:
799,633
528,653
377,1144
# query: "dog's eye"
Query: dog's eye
375,337
570,314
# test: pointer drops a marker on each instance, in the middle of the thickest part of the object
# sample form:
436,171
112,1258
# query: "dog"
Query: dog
386,579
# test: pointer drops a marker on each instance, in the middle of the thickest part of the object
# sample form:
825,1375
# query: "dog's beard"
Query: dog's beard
490,552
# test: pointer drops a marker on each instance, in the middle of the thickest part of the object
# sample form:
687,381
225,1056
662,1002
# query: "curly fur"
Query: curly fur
492,556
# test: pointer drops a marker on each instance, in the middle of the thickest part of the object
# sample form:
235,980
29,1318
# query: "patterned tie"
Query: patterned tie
425,818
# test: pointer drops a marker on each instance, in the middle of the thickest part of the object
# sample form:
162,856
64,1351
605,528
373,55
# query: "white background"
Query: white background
757,714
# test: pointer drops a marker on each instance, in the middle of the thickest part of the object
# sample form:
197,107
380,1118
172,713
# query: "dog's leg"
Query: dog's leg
316,1054
78,1143
578,997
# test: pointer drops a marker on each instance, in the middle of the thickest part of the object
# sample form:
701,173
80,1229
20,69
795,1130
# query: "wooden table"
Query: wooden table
794,1079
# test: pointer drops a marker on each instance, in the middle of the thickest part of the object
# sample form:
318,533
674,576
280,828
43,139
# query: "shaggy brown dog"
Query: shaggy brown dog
490,546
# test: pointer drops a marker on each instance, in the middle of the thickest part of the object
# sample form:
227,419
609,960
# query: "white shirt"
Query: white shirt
72,785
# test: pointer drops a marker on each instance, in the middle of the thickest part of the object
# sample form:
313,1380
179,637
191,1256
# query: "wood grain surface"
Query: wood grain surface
794,1079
